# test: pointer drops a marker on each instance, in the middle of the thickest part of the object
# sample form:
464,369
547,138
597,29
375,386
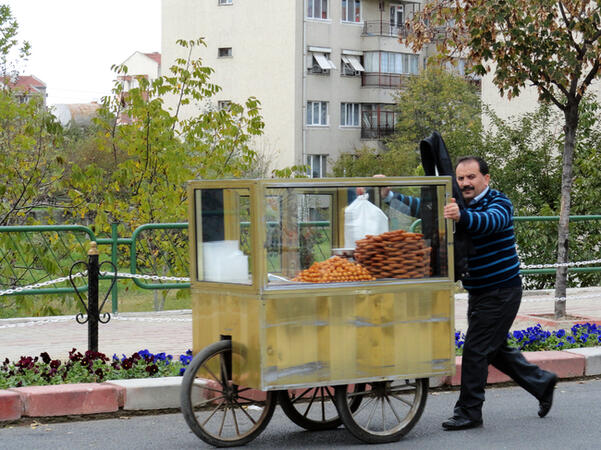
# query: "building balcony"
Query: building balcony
376,133
383,28
383,80
377,121
390,29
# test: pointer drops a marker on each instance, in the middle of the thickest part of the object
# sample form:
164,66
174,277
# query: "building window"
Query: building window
224,105
226,2
351,65
377,120
317,113
224,52
349,114
316,166
389,62
317,9
351,10
319,61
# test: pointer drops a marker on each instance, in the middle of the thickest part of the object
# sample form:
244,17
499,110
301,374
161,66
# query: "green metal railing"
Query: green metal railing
34,254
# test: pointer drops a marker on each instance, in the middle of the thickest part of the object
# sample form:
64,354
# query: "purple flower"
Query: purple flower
45,357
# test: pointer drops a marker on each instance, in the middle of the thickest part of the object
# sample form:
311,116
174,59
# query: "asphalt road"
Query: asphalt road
510,422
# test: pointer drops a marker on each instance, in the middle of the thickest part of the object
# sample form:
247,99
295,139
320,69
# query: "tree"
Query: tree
154,152
29,136
368,161
548,44
524,158
437,100
434,100
9,29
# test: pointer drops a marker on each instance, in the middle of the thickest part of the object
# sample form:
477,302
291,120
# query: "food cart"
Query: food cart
286,309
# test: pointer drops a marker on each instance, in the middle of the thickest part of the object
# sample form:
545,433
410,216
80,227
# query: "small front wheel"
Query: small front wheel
387,411
218,411
314,409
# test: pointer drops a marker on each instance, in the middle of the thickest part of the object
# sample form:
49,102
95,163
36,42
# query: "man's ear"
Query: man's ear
487,178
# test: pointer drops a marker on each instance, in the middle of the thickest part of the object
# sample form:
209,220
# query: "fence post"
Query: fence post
93,313
114,290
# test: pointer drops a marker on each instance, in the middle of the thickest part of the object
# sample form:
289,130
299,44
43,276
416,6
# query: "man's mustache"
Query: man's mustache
467,188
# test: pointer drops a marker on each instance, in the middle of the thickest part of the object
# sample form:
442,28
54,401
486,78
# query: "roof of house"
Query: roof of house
156,56
28,83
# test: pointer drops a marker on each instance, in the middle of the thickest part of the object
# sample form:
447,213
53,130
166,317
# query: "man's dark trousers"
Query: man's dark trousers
490,315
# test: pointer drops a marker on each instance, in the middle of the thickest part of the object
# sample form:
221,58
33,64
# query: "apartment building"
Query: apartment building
325,71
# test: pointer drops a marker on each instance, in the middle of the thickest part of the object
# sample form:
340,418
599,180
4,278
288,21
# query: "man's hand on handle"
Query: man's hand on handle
451,210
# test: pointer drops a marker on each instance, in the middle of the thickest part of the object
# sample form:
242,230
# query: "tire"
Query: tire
313,409
388,411
219,412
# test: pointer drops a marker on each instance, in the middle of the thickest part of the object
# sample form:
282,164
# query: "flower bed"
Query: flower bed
536,339
90,367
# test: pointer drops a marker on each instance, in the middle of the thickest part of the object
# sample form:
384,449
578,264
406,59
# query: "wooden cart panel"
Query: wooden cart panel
300,339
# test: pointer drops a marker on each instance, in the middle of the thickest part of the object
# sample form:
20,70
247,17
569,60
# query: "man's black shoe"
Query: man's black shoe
460,423
546,401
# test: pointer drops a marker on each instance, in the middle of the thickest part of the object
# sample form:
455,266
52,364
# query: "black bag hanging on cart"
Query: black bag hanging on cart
436,161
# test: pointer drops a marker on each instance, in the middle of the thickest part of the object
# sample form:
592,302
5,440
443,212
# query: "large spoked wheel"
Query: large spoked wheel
218,411
388,410
314,409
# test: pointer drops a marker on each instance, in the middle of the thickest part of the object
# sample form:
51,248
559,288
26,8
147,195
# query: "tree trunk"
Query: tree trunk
561,275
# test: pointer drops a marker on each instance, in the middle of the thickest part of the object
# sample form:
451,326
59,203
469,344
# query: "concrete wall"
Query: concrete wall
263,36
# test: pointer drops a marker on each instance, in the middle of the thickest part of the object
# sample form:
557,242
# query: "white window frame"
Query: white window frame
322,161
350,115
345,6
317,114
311,4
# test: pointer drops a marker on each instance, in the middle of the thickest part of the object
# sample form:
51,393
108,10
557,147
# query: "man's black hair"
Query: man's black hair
481,163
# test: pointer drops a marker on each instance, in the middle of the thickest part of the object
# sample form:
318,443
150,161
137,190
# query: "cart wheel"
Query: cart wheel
219,412
389,409
314,409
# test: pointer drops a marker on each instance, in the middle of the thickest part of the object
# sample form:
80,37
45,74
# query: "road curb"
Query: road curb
66,399
164,393
563,363
149,393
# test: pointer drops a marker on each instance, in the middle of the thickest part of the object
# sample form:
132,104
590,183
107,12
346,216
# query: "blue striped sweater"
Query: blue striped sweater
495,263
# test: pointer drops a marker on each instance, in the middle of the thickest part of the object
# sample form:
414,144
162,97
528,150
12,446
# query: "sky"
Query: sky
75,42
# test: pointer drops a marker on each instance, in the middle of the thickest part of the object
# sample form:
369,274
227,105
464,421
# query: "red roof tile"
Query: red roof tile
156,56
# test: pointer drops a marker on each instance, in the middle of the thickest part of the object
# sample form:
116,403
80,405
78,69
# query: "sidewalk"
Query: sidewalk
171,331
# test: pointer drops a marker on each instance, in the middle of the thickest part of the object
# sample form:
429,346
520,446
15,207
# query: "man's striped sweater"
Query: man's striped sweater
495,263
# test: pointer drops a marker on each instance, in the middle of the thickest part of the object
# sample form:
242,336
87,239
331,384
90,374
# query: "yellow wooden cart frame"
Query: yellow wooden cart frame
304,335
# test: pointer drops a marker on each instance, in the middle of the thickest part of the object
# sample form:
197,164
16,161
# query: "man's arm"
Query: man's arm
496,217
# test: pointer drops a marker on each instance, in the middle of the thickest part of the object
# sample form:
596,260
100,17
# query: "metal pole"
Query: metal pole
93,313
114,290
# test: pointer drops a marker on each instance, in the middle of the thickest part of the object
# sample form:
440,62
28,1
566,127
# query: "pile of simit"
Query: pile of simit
395,254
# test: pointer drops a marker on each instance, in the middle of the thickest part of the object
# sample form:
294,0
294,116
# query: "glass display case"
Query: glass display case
322,281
